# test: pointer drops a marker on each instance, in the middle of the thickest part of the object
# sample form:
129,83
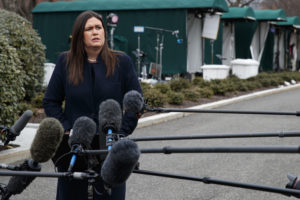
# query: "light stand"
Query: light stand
155,68
138,53
212,51
112,21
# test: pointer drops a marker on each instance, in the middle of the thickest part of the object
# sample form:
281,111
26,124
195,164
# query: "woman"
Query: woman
86,75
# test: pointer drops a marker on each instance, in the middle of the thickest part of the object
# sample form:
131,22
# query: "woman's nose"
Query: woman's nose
95,31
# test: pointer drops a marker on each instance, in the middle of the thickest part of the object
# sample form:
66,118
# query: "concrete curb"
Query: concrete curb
27,135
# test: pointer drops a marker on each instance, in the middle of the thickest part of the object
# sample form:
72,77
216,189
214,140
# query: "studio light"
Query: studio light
112,19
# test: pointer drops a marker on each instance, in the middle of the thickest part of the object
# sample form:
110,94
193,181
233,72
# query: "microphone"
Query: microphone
17,184
18,126
120,162
133,102
81,136
21,123
293,184
46,140
110,120
43,147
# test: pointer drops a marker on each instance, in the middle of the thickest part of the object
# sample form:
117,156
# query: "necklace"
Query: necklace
92,60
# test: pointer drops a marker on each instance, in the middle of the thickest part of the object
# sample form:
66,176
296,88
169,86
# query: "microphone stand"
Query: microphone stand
166,110
218,136
75,175
220,149
225,149
90,175
208,180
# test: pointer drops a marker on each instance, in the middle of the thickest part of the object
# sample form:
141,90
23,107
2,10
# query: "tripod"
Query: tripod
140,60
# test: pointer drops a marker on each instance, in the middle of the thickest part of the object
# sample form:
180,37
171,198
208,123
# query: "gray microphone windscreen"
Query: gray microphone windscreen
21,122
46,140
133,101
120,162
83,132
110,116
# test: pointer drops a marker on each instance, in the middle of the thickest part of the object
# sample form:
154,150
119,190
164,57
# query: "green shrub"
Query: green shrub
23,106
252,85
275,81
200,82
294,75
180,84
145,86
162,87
29,49
11,85
268,82
205,92
154,98
231,86
242,86
37,101
175,98
286,76
191,95
218,87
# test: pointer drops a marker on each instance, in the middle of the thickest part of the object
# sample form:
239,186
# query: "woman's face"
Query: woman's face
93,35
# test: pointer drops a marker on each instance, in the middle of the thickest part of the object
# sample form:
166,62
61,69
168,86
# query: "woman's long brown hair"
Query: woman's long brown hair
76,54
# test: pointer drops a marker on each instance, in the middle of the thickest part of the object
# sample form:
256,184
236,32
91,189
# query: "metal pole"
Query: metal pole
208,180
219,149
139,56
112,37
225,149
165,110
157,51
161,46
219,136
212,51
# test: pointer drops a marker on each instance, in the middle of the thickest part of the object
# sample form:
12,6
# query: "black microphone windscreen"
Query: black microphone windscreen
120,162
21,122
133,101
17,184
83,132
46,140
110,116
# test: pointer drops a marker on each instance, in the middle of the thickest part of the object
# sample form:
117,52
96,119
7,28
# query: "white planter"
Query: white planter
215,72
244,68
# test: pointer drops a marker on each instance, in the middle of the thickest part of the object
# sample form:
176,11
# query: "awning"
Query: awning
236,13
291,21
270,15
69,6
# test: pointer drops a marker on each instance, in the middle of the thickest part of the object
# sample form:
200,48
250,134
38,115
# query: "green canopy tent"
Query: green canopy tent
233,46
54,21
290,43
262,45
231,42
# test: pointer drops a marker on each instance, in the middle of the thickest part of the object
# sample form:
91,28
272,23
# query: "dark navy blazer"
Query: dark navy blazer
84,99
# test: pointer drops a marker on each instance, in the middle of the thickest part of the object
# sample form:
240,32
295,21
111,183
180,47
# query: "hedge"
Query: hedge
22,60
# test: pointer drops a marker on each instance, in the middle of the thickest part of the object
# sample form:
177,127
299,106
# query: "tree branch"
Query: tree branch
247,3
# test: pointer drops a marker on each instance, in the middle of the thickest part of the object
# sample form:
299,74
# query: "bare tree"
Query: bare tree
240,3
22,7
291,7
